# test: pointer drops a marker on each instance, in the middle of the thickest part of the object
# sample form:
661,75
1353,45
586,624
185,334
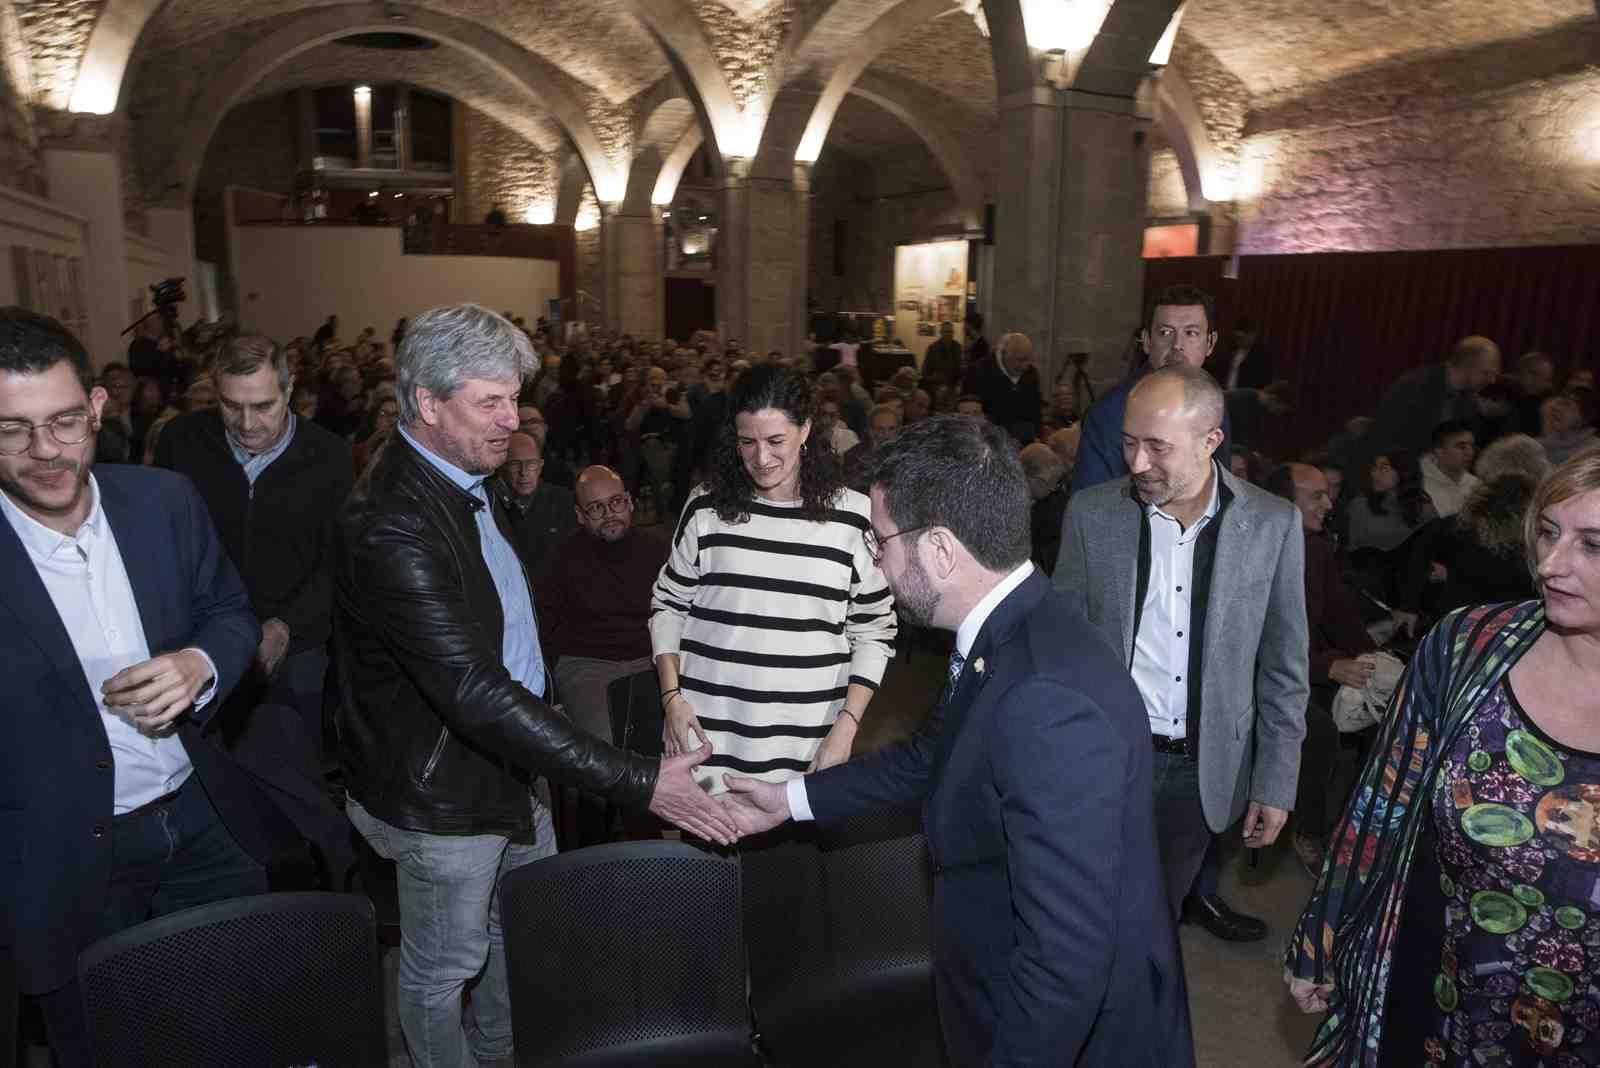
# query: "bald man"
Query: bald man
1065,442
1199,579
1047,488
1008,385
1340,654
594,602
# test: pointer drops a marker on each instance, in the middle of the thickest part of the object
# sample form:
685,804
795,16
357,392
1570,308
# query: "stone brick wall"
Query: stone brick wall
255,146
20,164
503,167
56,31
1514,166
1167,198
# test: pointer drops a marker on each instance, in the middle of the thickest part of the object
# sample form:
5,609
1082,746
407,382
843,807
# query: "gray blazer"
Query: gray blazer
1254,664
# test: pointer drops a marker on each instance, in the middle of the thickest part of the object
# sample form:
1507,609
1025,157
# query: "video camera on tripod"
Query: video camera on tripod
166,295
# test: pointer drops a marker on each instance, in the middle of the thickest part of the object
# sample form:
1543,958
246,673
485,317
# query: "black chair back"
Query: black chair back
838,924
634,702
271,980
627,954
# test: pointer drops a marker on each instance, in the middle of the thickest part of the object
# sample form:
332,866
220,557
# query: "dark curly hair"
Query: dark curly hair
727,482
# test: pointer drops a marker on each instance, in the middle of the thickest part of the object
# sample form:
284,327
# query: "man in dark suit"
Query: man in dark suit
125,625
1053,944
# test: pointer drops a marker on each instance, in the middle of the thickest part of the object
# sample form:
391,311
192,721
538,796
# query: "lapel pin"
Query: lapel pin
977,665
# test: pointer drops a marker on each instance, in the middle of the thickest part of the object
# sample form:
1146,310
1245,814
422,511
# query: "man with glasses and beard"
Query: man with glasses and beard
1053,943
594,605
124,625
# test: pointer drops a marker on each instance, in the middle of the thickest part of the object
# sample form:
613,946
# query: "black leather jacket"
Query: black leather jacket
434,733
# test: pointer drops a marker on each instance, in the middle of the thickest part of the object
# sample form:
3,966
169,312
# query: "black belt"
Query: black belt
1175,746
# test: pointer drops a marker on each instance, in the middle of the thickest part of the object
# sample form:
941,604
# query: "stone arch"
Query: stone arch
665,119
98,86
677,30
911,105
573,177
537,81
1114,63
1198,160
674,164
888,29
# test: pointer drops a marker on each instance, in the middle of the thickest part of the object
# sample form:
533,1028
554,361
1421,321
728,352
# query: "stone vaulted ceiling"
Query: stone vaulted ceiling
1279,47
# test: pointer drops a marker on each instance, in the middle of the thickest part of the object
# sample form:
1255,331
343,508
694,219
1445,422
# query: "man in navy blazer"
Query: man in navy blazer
1053,944
123,625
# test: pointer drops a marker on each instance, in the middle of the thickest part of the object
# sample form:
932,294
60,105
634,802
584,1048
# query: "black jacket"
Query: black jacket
280,535
1016,407
435,734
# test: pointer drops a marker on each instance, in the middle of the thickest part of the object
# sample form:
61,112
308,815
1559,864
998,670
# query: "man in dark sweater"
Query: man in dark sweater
594,603
541,511
1008,385
272,484
1339,642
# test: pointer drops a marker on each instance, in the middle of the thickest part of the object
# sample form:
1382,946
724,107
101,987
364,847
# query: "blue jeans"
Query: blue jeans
450,935
168,855
1181,832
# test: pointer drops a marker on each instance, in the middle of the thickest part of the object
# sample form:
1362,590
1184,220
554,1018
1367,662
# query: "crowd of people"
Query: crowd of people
392,560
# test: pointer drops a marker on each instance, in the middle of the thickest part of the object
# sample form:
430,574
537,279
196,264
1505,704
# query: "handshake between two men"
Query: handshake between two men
749,807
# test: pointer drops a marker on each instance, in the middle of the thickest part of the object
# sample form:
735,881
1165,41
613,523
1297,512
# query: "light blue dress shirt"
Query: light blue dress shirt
520,646
255,463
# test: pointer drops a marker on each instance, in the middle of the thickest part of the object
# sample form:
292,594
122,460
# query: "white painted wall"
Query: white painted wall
34,223
90,184
290,278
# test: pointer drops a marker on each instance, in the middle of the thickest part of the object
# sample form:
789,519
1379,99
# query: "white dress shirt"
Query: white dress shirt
1161,647
88,584
1447,494
966,634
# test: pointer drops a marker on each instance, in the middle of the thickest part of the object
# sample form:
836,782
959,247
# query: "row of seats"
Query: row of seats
809,950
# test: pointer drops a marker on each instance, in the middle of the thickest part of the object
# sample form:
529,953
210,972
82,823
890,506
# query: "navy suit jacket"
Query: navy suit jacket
1052,939
56,778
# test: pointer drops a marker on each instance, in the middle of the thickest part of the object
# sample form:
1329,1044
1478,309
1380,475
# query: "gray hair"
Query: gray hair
245,355
444,347
1514,454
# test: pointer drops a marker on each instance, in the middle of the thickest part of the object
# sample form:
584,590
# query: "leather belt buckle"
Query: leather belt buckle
1162,744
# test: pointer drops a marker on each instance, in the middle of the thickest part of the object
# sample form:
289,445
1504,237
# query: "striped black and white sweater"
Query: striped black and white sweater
772,619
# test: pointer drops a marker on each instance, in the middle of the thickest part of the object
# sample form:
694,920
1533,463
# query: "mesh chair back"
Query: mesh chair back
626,953
827,910
838,926
635,706
273,980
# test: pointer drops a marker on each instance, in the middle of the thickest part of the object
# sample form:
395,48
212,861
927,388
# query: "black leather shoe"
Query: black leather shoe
1215,916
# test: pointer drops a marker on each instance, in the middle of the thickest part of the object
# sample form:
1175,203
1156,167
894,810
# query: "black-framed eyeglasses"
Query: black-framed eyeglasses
68,428
614,505
875,541
518,468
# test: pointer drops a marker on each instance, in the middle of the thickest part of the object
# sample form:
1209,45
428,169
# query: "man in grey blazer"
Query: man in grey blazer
1198,579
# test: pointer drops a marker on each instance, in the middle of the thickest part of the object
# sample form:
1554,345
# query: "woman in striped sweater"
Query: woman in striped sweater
770,624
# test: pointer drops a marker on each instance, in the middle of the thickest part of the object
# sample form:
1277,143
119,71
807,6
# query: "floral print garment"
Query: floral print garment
1514,874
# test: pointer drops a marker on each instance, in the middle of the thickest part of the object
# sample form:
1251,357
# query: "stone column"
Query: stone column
363,126
761,257
90,184
633,265
1069,226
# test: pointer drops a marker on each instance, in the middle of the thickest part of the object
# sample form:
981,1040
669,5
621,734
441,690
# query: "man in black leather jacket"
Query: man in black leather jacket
442,720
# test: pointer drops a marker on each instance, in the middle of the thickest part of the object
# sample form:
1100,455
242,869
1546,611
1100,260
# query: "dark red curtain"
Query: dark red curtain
1343,325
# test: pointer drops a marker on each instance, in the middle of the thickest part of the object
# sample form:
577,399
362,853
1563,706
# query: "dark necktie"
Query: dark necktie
957,662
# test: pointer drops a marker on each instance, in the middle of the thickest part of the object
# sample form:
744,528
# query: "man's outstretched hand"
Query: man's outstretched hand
679,800
754,805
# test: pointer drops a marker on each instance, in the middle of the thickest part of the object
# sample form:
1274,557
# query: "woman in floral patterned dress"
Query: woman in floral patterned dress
1457,919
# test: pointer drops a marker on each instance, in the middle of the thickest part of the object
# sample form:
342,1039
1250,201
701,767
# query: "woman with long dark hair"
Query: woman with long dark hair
1393,507
771,625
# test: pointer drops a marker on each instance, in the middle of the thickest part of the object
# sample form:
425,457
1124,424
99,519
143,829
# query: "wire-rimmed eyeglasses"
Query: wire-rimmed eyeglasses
876,541
68,428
